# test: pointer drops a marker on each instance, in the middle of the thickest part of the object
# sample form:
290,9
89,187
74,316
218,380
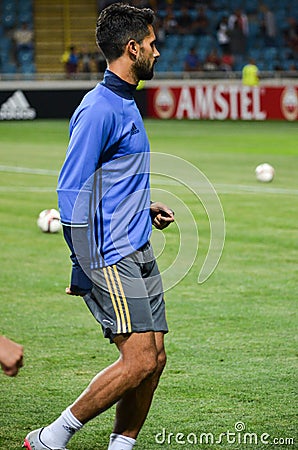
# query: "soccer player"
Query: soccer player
107,216
11,356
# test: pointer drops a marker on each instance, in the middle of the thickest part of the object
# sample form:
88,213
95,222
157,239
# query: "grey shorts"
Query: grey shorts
127,297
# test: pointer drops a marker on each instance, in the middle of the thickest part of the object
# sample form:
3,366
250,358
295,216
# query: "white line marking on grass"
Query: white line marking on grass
239,188
220,188
26,189
28,170
236,188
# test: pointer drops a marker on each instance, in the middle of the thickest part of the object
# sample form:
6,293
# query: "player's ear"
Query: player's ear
132,47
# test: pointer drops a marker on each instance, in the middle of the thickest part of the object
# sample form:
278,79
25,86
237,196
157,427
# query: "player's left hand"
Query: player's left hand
161,215
75,291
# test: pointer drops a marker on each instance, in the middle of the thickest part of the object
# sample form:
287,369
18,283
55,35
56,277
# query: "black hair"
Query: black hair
117,24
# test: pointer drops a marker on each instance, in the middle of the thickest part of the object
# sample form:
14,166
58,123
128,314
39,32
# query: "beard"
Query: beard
143,69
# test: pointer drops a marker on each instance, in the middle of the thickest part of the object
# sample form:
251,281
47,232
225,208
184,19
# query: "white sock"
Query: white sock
57,435
120,442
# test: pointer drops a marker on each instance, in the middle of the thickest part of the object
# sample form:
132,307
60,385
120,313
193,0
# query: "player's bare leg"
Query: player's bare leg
137,362
133,407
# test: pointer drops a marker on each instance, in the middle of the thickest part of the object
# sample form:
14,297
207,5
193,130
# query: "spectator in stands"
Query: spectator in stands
212,61
222,34
160,32
250,74
227,62
23,38
170,22
239,18
184,21
237,40
100,62
291,37
192,62
200,23
268,26
70,59
85,59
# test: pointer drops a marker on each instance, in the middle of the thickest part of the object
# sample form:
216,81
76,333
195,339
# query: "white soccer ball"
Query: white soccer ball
264,172
49,221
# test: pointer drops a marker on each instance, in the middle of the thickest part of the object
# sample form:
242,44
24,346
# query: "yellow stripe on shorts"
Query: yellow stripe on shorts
128,321
113,300
116,293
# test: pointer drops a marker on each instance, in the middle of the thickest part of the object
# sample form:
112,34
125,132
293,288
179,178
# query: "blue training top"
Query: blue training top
103,188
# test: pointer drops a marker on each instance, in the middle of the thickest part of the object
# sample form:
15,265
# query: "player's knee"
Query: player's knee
148,364
144,366
161,361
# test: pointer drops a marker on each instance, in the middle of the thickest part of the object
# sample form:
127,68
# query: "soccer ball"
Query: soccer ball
49,221
264,172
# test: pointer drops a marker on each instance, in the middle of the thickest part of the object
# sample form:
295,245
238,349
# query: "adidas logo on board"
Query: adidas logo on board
17,107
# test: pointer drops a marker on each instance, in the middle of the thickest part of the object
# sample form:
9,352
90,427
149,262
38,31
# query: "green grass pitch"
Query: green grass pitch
232,355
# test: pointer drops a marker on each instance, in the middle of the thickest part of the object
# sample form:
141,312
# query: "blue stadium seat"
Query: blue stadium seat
25,57
173,40
270,53
8,67
160,66
9,19
281,16
8,6
273,4
202,53
5,46
293,11
189,40
288,64
25,6
251,6
256,53
254,28
235,4
207,42
285,53
220,4
25,17
273,64
28,68
179,66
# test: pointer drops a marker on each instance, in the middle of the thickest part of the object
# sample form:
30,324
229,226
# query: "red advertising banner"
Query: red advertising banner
220,102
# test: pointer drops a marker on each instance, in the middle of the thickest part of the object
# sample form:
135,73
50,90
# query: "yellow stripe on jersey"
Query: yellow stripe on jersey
113,300
128,321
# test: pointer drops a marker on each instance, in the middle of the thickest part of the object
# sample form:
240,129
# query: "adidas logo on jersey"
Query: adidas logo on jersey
134,129
17,107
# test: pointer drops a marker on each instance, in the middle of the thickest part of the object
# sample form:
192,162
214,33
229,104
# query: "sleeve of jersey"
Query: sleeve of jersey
89,133
80,282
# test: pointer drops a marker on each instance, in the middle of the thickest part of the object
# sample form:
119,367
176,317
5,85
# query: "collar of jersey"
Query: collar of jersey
118,86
